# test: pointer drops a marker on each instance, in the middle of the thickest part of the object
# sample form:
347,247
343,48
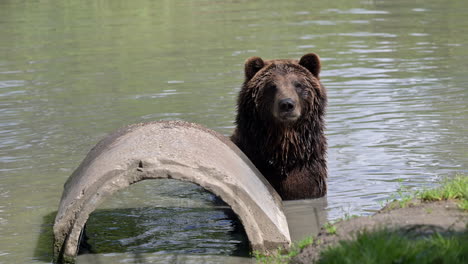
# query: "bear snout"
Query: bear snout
287,109
287,105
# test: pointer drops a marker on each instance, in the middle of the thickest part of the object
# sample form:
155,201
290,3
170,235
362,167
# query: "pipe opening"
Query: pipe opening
164,216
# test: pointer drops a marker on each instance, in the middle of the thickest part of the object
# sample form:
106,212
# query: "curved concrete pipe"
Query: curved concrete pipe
176,150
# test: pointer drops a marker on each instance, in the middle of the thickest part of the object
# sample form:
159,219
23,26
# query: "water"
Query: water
71,72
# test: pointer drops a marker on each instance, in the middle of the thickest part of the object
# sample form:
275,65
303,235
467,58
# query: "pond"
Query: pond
73,71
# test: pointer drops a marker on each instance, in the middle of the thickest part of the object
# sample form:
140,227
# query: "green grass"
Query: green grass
451,189
348,216
405,196
304,243
281,256
456,188
463,204
330,228
401,199
390,247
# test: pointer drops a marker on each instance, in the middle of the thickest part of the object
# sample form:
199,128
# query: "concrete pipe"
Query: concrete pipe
176,150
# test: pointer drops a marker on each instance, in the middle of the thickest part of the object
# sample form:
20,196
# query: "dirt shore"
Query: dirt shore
415,218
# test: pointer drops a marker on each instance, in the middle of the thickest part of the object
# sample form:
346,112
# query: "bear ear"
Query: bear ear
311,62
252,66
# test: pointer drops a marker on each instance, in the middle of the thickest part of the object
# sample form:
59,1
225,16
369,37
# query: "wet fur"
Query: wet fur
291,156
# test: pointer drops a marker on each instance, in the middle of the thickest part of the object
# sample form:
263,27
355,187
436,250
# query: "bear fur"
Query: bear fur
280,124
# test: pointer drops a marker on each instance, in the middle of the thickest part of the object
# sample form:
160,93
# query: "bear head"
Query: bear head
283,91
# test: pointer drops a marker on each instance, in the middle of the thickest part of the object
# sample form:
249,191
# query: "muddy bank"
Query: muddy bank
415,219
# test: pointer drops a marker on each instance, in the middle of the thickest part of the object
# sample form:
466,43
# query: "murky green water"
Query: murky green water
73,71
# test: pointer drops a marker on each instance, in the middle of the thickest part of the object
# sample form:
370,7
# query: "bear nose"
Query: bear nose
286,105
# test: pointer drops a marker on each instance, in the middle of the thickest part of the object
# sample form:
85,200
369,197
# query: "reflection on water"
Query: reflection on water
167,231
178,218
70,73
305,217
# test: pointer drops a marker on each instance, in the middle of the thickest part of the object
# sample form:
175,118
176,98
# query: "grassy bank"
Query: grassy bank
281,255
393,247
397,246
454,189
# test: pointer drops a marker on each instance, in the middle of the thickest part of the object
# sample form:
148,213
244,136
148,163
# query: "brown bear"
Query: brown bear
280,124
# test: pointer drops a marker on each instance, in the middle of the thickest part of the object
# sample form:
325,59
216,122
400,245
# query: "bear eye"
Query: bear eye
298,86
271,87
301,89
